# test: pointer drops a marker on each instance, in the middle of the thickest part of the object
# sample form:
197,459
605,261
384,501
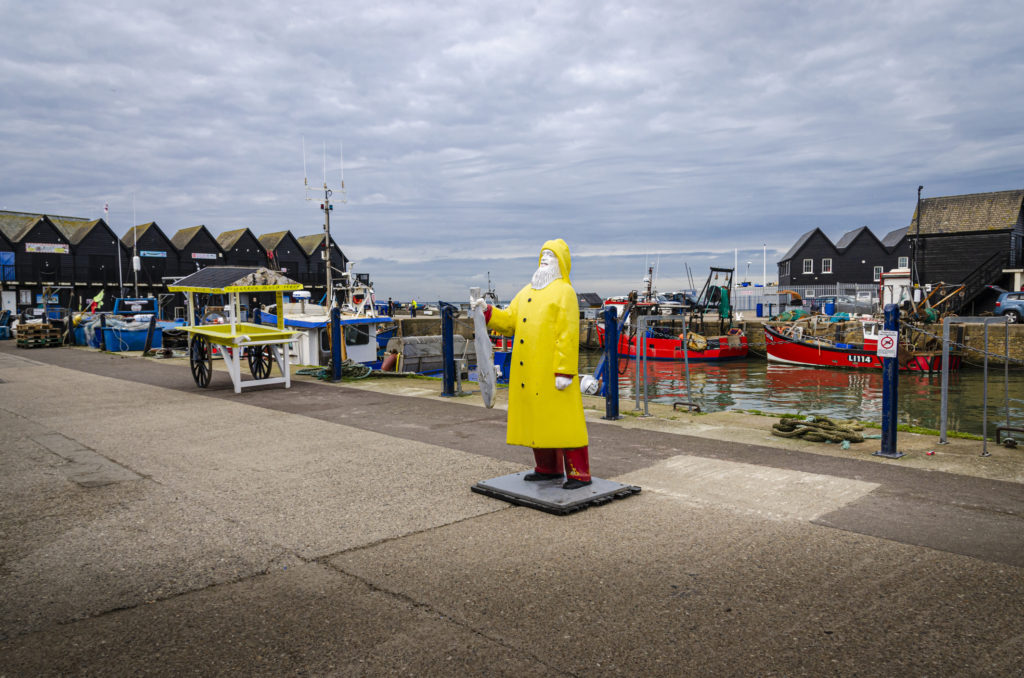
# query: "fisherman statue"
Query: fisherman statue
545,407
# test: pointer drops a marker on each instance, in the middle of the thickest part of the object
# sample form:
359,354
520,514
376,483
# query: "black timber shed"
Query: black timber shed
158,257
285,254
242,248
313,246
197,249
971,240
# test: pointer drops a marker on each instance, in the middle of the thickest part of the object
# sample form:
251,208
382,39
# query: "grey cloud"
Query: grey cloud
470,127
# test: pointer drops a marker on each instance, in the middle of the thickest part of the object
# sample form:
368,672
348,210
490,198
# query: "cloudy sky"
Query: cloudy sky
668,133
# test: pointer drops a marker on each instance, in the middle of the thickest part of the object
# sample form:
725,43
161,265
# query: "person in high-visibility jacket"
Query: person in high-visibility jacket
545,407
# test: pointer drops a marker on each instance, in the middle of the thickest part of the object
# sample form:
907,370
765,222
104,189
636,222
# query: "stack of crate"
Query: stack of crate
41,335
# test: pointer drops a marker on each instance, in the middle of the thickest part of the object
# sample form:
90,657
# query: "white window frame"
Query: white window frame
903,262
826,266
808,266
784,268
877,273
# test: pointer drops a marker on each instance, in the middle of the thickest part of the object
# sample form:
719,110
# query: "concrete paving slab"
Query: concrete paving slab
303,620
675,581
129,550
660,586
84,466
310,485
768,492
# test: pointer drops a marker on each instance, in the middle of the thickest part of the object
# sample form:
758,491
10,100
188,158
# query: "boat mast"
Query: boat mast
326,206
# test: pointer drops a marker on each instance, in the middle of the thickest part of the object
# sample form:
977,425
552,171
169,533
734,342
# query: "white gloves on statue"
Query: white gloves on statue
475,301
561,383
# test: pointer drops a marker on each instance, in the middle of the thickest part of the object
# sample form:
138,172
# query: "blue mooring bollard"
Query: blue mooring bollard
890,390
337,337
611,365
448,312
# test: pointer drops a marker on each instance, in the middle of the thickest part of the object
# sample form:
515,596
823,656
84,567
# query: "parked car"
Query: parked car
688,300
843,303
1010,304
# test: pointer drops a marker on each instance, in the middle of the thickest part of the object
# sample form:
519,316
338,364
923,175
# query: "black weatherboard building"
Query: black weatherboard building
974,240
858,257
313,246
285,254
963,241
197,249
158,257
810,261
242,248
43,255
96,253
80,256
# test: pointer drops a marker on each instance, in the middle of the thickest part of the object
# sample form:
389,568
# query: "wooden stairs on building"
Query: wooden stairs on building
976,281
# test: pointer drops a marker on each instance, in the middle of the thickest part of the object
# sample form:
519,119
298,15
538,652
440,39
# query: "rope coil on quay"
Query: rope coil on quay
819,429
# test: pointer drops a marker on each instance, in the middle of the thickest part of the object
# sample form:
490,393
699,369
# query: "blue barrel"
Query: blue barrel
830,308
760,310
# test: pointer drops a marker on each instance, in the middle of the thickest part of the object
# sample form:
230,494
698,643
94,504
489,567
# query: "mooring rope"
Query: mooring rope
349,369
819,429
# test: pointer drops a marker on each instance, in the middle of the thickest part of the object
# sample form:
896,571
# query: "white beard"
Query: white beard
544,276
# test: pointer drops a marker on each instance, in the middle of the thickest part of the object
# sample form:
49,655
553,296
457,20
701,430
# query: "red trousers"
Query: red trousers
576,461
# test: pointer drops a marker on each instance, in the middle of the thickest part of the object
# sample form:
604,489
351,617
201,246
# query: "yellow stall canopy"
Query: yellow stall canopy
231,279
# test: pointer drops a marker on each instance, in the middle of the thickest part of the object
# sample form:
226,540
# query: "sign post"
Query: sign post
888,344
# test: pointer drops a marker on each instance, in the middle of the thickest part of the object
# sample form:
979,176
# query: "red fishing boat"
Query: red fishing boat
661,345
787,344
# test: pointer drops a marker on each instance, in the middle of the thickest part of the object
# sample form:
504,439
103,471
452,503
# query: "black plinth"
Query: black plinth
548,495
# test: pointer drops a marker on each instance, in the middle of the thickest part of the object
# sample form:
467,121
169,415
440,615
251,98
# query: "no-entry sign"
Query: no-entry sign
887,342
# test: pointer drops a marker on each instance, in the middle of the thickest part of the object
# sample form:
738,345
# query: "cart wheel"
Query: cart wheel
201,361
261,359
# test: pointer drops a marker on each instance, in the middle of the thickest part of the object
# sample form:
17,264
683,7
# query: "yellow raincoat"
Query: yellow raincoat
546,327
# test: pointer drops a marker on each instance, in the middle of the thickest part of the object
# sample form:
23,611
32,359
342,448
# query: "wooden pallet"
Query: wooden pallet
38,336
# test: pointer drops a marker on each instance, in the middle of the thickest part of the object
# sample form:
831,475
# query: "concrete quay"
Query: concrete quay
153,528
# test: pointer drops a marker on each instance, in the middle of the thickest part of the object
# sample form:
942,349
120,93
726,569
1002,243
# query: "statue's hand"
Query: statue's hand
561,383
475,304
474,297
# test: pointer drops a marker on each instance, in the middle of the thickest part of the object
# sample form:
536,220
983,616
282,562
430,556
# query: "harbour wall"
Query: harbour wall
973,335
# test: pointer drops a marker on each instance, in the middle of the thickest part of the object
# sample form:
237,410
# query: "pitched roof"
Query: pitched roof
849,237
271,240
893,238
182,238
15,224
75,231
228,239
136,232
996,211
801,241
309,243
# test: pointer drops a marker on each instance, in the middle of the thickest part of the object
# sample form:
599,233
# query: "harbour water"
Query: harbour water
755,384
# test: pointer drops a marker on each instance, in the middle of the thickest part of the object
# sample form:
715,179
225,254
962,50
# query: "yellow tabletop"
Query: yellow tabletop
250,333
